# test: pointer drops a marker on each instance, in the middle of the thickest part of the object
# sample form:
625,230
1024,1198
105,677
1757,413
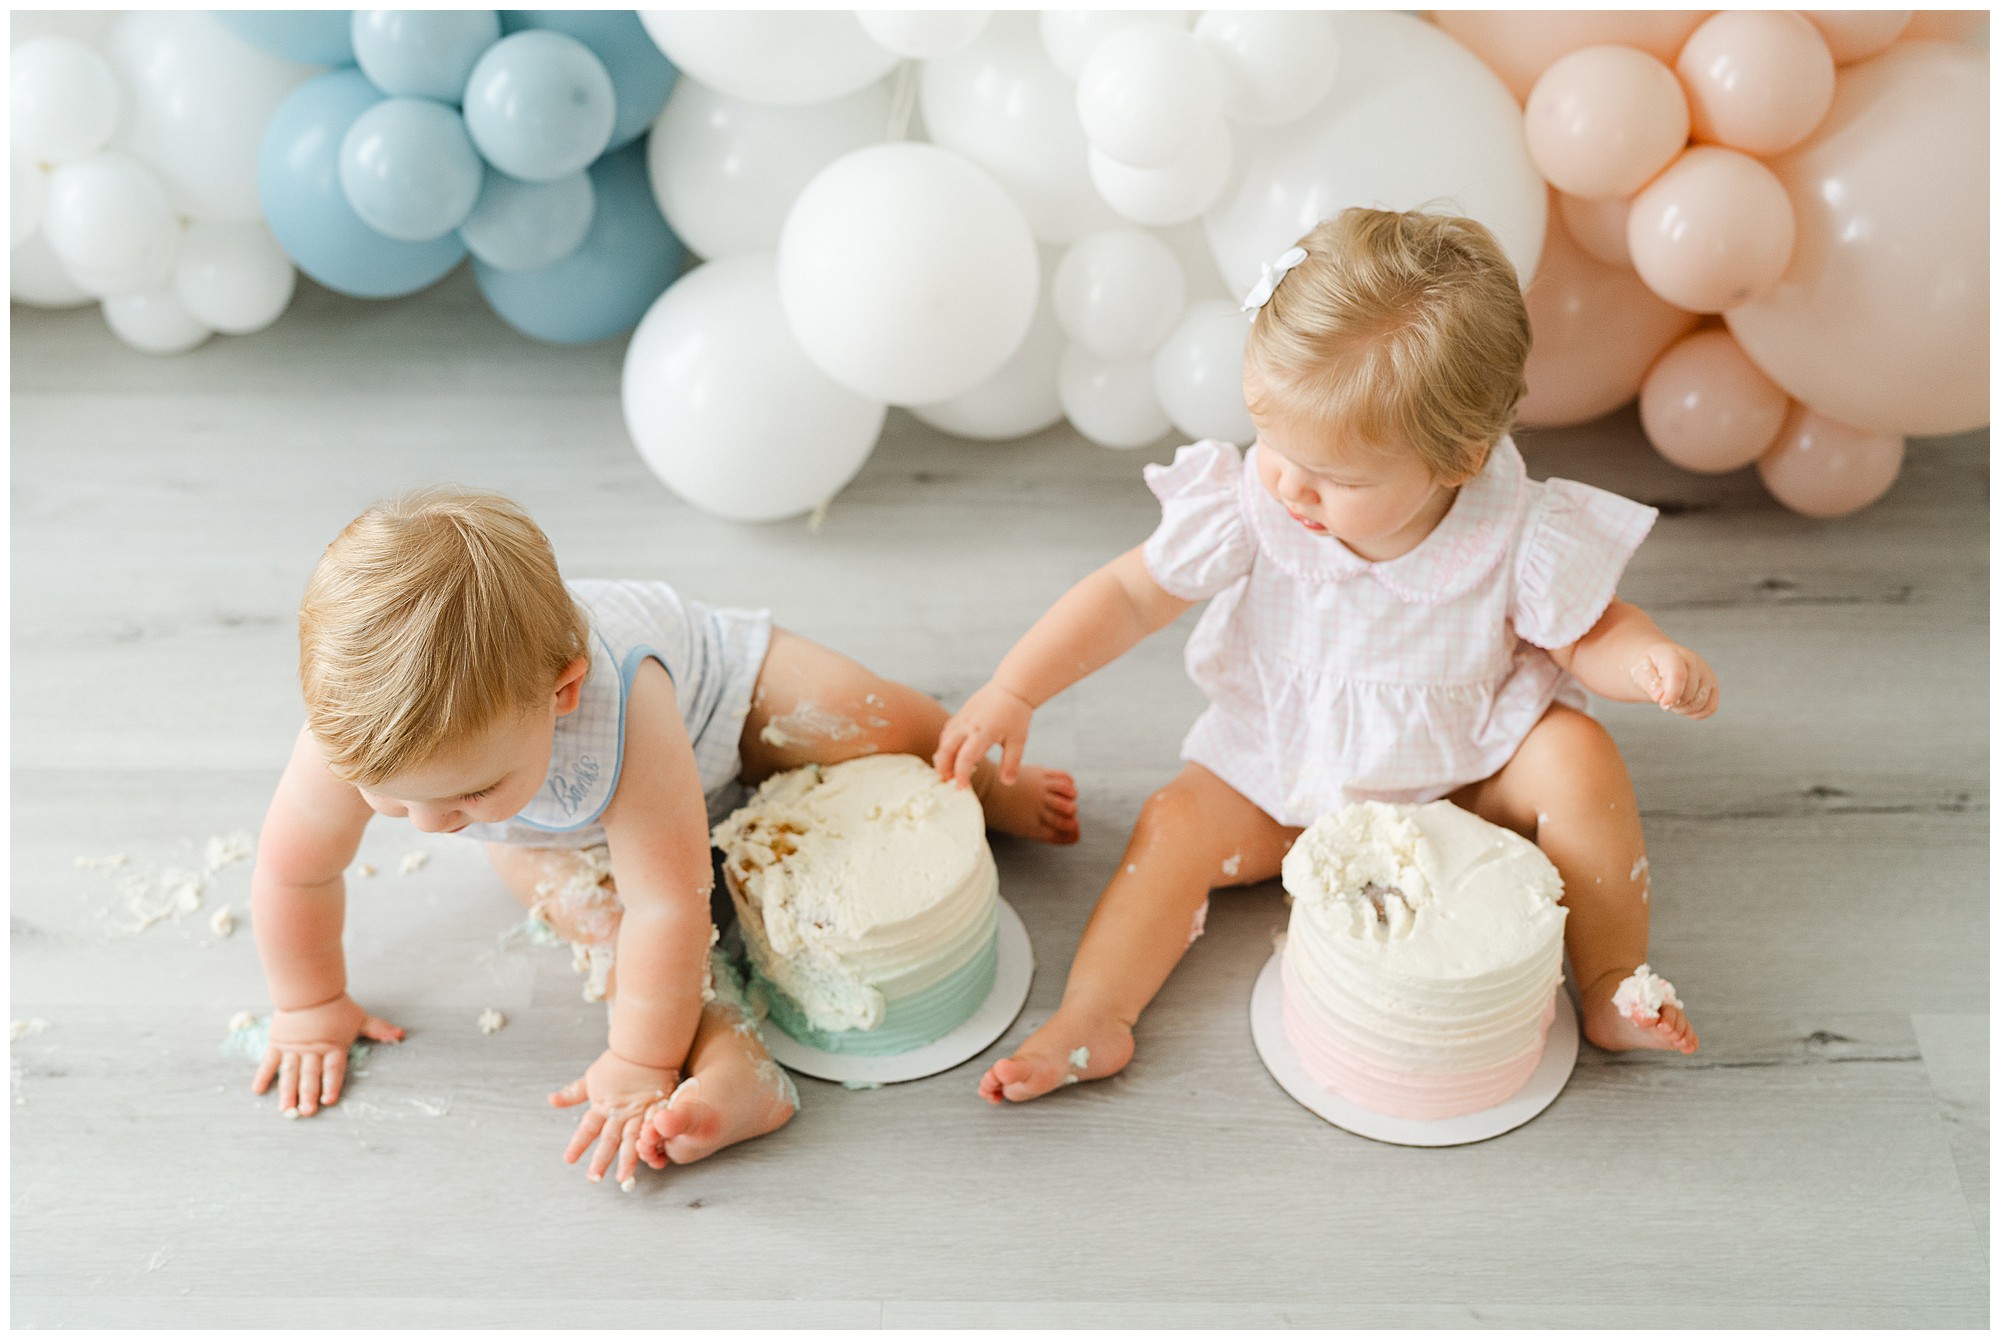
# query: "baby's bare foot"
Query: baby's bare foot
1614,1031
726,1106
1070,1047
1040,805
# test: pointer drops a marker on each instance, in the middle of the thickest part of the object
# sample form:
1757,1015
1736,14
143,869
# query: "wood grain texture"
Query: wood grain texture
1819,850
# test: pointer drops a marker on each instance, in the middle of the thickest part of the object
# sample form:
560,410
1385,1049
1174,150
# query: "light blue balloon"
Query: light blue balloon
638,71
310,36
602,288
298,181
423,53
525,225
409,169
540,105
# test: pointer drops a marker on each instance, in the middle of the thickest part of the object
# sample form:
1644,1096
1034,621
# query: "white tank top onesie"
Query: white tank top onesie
713,657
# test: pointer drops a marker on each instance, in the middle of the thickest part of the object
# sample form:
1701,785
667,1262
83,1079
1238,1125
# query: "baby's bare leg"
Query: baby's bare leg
1195,834
1567,790
733,1090
814,705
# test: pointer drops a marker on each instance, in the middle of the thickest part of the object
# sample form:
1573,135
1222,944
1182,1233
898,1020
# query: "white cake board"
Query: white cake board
995,1015
1267,1030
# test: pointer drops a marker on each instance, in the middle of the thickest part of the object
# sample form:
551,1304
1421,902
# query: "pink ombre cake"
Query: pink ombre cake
1423,959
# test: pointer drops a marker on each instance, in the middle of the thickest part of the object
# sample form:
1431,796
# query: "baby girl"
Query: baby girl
1398,613
588,732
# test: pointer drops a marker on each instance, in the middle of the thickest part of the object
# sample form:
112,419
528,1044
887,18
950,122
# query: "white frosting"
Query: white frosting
1423,936
859,882
1641,996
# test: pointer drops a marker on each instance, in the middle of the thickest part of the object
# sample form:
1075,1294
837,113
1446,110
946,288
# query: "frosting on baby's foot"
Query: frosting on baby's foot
1643,995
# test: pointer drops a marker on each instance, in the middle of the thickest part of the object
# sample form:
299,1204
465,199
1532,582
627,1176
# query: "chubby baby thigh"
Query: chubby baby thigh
814,705
1200,824
1568,765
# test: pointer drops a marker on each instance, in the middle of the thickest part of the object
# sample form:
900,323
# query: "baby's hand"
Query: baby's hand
991,716
621,1094
308,1052
1678,680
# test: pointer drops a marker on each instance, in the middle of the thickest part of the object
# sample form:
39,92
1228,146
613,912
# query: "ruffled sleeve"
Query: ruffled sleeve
1203,542
1574,547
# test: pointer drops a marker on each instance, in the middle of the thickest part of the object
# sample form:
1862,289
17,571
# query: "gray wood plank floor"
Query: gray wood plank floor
1819,850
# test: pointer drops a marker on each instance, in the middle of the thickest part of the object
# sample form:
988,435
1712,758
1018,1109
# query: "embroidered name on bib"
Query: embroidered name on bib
570,792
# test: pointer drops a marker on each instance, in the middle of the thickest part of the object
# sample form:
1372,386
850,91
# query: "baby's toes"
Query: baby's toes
1675,1029
1021,1078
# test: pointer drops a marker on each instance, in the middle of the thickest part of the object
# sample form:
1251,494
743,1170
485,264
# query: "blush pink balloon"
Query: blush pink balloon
1820,467
1706,408
1712,231
1881,319
1597,329
1758,80
1598,226
1857,34
1602,121
1518,44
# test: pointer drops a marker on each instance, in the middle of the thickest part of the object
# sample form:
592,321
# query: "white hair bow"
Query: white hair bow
1273,272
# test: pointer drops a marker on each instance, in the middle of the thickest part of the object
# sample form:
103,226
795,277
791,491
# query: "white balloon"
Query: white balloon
28,193
908,275
85,25
786,57
1146,94
111,225
1272,65
725,172
1118,293
154,322
1003,105
1111,402
37,278
727,409
1198,373
1190,247
1414,120
233,276
201,97
1021,397
924,34
1070,35
1176,193
63,100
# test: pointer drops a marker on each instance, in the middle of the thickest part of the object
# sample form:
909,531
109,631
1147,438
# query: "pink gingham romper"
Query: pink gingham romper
1331,679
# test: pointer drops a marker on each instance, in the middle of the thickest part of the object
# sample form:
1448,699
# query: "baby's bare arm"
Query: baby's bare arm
297,907
657,829
1625,657
1094,623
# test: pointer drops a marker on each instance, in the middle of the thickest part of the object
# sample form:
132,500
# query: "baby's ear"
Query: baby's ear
569,685
1476,454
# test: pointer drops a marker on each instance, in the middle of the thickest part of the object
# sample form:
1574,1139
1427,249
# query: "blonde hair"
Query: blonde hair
1403,329
427,618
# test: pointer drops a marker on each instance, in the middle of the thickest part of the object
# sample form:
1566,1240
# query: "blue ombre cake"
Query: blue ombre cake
868,901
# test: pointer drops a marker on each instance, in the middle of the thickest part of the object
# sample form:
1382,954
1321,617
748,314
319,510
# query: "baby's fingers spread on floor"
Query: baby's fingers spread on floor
607,1149
586,1131
308,1084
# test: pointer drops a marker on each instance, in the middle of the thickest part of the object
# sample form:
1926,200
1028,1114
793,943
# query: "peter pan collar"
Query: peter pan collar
1446,564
